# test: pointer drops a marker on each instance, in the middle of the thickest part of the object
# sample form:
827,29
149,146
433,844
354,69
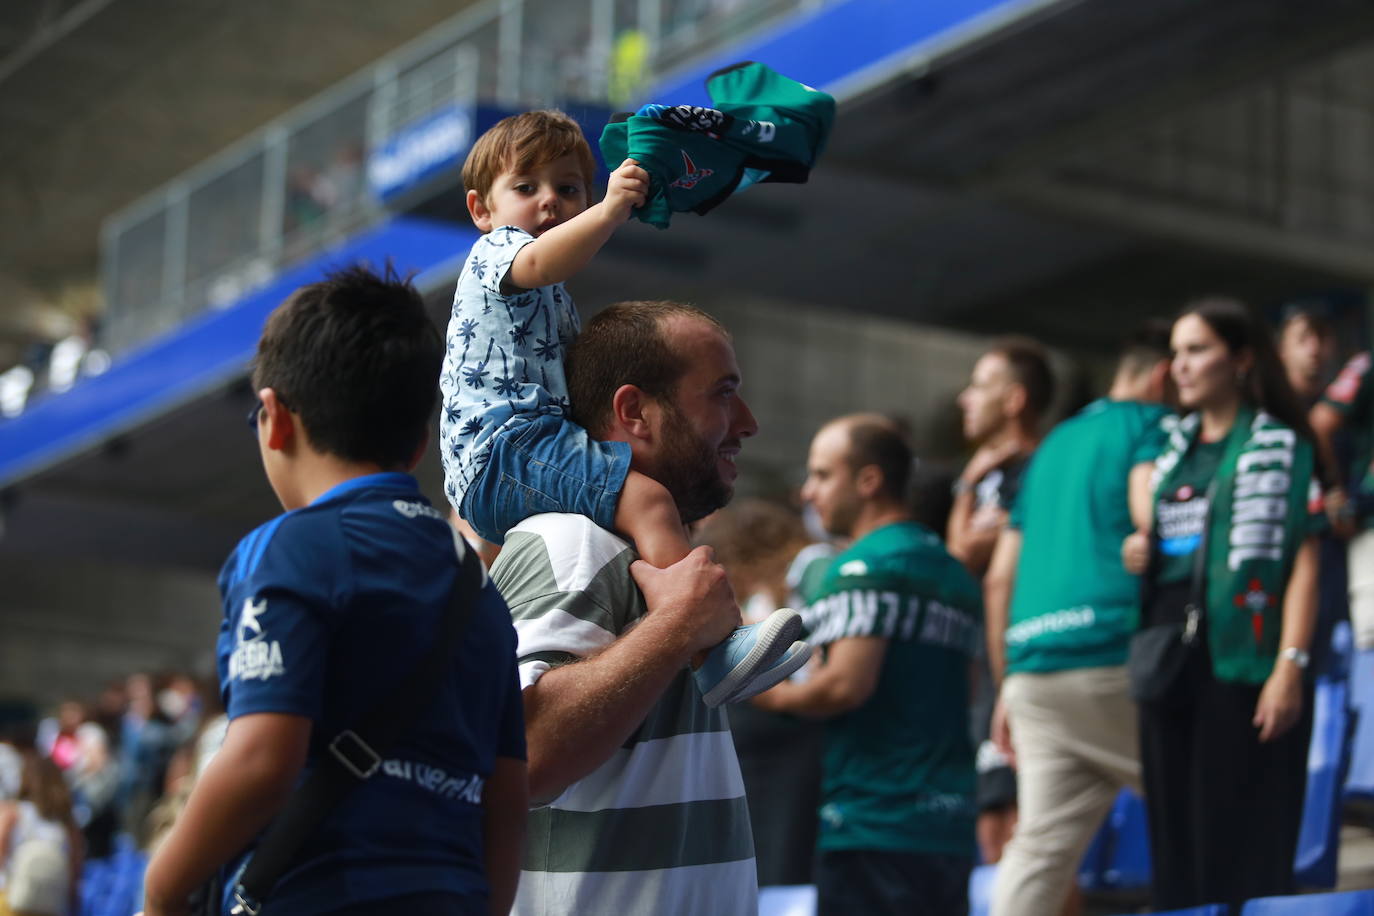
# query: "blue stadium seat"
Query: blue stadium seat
1359,783
788,900
1342,652
1327,759
113,886
1095,858
1128,860
1347,903
97,877
980,883
1207,909
1119,856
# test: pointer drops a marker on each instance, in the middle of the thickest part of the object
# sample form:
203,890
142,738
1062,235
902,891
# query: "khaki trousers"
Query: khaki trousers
1077,744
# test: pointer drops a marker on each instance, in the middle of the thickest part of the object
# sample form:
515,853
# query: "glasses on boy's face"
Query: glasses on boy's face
256,411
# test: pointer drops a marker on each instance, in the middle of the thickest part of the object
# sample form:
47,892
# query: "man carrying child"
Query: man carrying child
644,808
508,447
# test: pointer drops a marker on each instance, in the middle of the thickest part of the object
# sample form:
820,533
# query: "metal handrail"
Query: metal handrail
446,65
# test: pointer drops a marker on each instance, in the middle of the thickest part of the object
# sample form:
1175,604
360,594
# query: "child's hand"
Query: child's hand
625,190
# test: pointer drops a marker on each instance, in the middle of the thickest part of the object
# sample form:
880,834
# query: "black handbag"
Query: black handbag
1158,654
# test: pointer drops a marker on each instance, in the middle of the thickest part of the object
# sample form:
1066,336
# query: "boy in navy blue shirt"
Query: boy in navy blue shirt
326,608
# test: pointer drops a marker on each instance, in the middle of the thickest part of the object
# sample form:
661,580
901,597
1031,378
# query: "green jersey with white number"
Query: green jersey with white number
899,769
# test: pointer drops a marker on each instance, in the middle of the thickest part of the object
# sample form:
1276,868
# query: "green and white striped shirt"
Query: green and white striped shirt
662,826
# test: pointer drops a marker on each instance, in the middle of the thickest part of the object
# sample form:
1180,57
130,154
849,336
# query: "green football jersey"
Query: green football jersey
899,769
1074,605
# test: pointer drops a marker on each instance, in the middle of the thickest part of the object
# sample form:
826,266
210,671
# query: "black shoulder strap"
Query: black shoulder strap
356,754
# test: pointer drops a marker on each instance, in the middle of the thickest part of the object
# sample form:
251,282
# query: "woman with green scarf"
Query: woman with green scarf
1228,605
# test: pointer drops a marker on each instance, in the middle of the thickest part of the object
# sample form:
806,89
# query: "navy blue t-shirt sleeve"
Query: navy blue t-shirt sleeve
277,621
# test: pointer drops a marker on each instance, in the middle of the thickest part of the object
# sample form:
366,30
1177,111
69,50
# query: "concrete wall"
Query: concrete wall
69,628
805,365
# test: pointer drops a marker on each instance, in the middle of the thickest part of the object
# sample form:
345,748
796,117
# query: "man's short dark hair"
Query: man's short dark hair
356,357
1146,346
1030,368
1314,313
625,344
878,440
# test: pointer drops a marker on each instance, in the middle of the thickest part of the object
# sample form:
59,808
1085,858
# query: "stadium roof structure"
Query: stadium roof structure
102,100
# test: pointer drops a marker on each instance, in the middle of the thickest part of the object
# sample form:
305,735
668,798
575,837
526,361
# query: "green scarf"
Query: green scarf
1257,519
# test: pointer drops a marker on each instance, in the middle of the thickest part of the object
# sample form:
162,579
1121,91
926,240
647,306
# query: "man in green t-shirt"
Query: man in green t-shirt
898,620
1073,608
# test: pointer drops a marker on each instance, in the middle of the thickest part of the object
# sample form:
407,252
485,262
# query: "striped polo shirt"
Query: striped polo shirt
662,826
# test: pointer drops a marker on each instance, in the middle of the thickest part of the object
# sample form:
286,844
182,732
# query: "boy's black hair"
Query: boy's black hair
356,357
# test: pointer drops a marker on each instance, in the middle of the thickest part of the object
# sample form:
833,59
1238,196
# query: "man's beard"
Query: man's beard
688,469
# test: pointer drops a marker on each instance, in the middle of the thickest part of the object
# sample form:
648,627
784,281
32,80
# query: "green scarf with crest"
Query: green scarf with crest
1258,517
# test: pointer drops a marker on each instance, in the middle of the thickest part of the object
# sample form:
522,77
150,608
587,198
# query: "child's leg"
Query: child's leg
550,464
648,515
544,464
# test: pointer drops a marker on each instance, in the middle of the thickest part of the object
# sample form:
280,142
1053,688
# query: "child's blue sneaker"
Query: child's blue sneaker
796,656
746,653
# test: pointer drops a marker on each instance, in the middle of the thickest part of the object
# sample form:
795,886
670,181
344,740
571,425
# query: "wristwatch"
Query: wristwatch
1297,656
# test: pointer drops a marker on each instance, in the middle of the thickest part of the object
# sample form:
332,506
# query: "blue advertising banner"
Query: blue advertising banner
438,143
419,151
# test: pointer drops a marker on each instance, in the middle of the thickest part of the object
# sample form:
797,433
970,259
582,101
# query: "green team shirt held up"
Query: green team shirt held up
899,769
1074,604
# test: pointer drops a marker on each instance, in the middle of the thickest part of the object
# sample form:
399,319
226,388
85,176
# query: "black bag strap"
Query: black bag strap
1196,608
355,754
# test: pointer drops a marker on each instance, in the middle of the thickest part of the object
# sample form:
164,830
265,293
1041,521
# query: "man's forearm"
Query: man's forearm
974,548
997,588
996,600
578,714
810,699
1326,421
957,529
844,682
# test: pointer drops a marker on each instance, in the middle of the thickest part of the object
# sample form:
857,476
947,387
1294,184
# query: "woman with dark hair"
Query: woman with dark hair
1228,605
40,845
